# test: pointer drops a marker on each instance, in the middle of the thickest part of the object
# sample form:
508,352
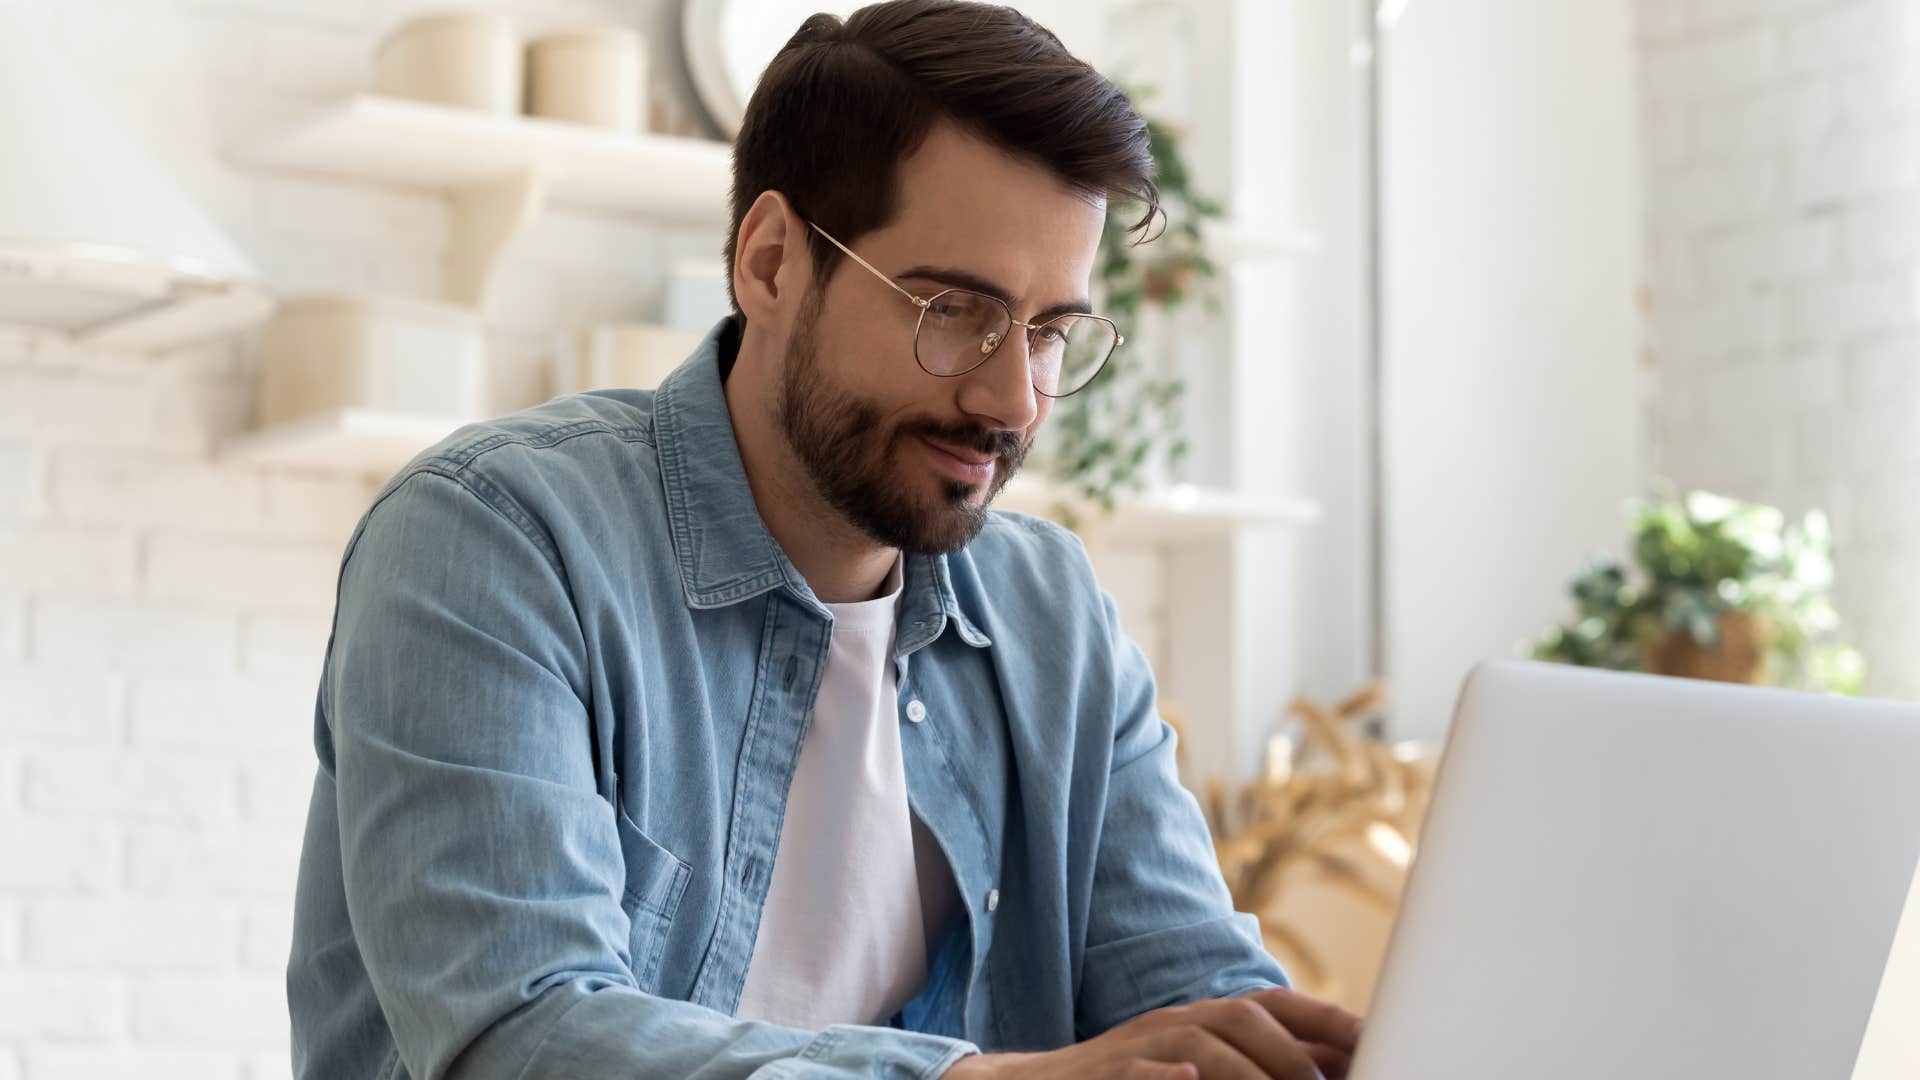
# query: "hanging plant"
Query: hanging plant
1107,439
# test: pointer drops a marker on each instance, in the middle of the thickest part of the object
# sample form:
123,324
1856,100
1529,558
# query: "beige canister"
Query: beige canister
328,351
595,76
638,355
470,59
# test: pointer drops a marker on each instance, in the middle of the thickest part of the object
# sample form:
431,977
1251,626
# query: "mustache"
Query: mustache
1005,445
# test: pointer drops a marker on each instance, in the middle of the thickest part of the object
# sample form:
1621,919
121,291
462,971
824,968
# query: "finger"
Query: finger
1254,1031
1333,1061
1195,1045
1161,1070
1311,1019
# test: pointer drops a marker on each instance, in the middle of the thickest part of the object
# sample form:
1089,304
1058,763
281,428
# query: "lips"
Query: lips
967,467
971,457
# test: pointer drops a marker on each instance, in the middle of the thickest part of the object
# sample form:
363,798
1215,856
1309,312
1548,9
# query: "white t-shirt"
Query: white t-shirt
844,932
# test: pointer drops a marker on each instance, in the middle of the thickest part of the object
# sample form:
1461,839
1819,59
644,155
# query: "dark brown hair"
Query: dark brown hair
844,103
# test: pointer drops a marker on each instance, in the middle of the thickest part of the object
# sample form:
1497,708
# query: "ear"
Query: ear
771,266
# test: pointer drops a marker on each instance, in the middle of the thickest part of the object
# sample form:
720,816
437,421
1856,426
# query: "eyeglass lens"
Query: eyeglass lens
960,330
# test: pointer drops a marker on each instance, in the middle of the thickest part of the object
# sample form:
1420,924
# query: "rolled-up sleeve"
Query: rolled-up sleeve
482,866
1162,930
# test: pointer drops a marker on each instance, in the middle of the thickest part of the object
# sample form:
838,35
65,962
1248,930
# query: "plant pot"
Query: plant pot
1740,656
1164,282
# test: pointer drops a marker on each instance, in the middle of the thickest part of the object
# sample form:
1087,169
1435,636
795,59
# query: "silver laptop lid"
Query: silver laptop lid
1624,876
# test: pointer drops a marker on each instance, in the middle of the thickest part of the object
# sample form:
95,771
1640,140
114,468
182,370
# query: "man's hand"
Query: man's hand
1266,1035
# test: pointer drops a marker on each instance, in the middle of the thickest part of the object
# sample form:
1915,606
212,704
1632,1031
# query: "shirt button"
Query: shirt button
993,899
916,712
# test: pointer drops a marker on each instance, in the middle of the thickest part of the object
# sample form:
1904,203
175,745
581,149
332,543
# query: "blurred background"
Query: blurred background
1585,330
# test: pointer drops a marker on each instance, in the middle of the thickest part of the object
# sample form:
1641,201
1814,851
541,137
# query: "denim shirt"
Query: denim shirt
568,679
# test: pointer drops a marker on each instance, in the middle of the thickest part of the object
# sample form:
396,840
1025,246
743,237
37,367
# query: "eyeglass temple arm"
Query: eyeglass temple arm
892,284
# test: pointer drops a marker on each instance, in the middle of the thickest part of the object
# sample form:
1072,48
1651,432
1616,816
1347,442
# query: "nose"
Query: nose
1000,392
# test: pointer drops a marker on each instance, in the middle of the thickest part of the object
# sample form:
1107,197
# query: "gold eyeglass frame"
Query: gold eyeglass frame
989,347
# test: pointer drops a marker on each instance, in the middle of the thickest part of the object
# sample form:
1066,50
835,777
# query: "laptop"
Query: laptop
1626,877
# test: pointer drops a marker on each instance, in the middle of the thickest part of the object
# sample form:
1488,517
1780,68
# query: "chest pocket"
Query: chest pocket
656,879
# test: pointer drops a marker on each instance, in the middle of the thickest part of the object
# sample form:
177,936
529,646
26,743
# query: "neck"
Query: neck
840,563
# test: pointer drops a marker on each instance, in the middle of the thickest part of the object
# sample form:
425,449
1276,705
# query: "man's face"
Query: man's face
909,458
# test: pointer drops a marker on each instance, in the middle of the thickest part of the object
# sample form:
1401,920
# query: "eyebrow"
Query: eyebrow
954,277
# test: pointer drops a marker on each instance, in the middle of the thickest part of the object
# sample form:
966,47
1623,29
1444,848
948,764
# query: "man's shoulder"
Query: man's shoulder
594,438
548,469
1019,534
1023,559
546,431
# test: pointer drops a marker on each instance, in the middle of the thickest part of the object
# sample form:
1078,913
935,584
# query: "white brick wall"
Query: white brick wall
1782,172
163,613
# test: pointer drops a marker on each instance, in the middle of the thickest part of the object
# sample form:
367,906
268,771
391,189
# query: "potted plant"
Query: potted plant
1104,442
1719,589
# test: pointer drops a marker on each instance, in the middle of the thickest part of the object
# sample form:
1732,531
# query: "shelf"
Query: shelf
371,441
436,147
349,440
1242,241
1178,514
500,173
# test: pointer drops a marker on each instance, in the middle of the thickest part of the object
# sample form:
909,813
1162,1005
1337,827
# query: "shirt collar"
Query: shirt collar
725,552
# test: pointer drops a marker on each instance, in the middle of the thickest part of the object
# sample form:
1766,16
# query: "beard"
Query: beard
848,453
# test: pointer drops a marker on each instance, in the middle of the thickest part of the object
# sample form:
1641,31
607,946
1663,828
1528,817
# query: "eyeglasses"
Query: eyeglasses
959,329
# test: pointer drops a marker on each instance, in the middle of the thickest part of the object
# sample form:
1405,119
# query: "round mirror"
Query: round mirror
730,42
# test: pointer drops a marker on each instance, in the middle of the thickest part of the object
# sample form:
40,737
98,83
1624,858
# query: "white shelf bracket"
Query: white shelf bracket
486,218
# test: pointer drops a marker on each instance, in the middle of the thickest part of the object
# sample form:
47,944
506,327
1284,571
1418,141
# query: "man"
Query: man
720,730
